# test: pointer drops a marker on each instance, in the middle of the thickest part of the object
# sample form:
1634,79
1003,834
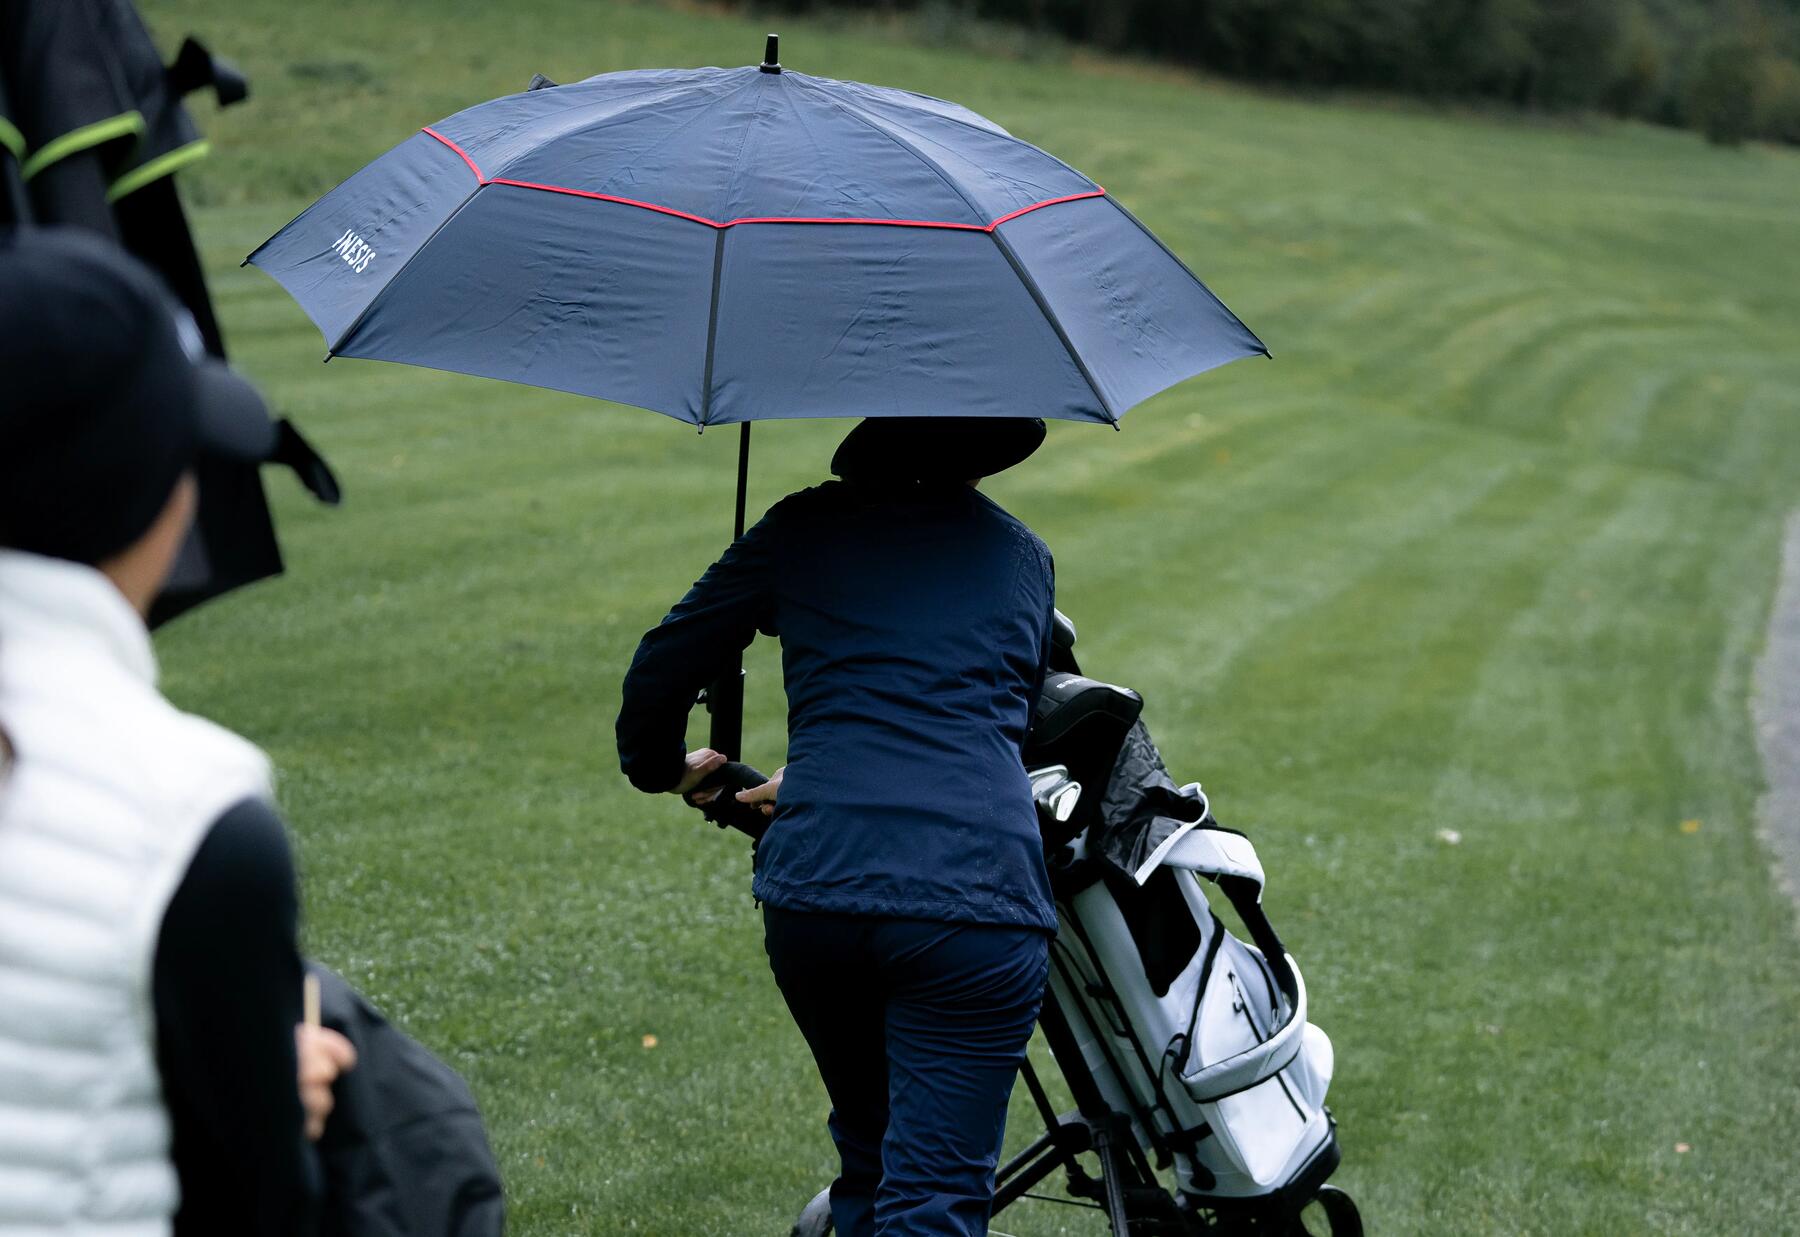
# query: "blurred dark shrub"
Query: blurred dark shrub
1778,100
1641,67
1722,90
1728,67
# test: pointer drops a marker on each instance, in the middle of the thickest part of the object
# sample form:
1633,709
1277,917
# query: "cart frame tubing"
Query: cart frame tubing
1093,1126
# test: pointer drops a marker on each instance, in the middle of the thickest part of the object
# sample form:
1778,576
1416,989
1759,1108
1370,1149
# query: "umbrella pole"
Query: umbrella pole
725,698
743,475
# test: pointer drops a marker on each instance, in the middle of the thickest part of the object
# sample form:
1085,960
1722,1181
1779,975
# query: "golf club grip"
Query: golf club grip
725,811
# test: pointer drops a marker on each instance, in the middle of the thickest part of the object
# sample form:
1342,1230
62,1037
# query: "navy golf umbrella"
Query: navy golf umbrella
735,245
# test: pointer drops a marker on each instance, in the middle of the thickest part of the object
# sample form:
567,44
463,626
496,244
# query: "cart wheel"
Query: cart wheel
1331,1213
815,1221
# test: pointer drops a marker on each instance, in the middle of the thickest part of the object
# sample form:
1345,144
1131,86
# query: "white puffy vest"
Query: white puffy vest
110,793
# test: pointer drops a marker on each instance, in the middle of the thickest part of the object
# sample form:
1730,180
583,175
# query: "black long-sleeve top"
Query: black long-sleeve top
226,987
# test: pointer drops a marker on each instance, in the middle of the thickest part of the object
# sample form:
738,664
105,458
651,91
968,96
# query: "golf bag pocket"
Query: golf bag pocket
1237,1062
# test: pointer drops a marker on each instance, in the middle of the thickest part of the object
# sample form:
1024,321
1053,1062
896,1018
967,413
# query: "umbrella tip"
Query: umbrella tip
771,61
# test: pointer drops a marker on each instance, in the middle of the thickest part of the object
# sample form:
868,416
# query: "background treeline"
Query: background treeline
1730,68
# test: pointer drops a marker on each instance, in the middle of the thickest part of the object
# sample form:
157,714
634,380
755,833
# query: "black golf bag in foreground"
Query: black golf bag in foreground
1198,1082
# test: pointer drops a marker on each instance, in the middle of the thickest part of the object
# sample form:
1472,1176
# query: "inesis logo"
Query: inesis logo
354,250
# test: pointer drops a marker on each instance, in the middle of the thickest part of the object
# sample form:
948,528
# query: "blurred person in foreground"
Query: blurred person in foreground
154,1075
907,909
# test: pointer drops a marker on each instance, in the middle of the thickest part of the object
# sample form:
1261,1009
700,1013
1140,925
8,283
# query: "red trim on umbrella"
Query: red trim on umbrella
732,223
459,150
605,197
1026,210
889,223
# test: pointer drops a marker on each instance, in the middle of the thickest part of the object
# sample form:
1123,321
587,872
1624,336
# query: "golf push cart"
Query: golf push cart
1199,1084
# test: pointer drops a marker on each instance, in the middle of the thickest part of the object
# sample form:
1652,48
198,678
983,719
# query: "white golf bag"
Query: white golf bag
1217,1060
1187,1049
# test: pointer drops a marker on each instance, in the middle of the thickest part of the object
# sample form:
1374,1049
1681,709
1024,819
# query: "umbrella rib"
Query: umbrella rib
347,332
996,131
1037,295
908,147
589,125
1176,259
992,128
712,330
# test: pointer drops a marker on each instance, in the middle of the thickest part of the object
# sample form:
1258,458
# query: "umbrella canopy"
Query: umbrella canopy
736,245
729,245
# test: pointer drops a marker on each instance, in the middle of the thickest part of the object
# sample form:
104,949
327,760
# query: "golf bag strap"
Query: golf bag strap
1206,848
1229,859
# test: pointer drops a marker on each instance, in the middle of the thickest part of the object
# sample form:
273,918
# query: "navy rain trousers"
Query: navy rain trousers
919,1029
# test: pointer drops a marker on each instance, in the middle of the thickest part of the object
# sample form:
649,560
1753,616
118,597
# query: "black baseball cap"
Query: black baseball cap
107,396
935,449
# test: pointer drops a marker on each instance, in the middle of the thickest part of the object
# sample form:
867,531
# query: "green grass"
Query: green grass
1488,547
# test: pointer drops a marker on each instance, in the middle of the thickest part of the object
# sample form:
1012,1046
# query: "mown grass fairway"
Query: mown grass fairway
1488,547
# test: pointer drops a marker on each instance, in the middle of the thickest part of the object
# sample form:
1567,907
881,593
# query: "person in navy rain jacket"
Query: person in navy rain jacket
907,909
